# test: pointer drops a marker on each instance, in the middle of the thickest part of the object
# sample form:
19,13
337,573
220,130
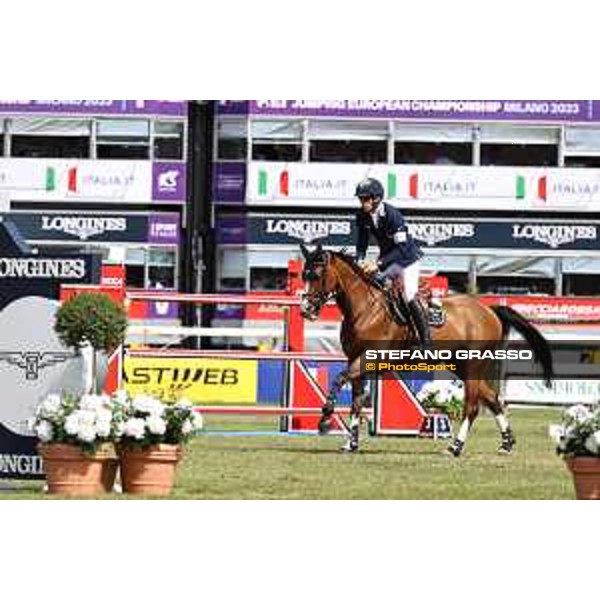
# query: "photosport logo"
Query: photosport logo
515,359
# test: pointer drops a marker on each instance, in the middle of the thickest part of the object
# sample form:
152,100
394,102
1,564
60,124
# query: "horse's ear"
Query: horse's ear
305,251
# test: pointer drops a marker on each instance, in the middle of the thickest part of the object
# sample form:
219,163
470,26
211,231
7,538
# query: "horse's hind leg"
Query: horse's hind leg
492,401
470,412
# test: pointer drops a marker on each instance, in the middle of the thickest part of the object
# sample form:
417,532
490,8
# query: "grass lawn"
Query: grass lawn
223,468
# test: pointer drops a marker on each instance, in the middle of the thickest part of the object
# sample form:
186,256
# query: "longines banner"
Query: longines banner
340,231
158,229
33,362
426,187
132,182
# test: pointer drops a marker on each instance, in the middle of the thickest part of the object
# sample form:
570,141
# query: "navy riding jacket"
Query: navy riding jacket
395,242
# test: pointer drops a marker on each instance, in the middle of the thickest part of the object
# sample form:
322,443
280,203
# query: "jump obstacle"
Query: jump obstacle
395,409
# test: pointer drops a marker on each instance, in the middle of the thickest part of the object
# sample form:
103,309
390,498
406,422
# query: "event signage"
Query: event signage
340,231
579,111
100,228
169,181
106,181
230,183
177,108
33,362
562,392
426,187
164,229
200,381
556,310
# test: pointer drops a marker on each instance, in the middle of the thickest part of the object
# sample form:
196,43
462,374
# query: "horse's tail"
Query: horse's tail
541,349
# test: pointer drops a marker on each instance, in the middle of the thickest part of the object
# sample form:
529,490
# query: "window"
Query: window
511,285
519,155
135,268
431,144
348,141
232,139
268,280
232,265
519,146
581,285
161,269
348,152
168,140
123,139
425,153
277,140
50,138
582,147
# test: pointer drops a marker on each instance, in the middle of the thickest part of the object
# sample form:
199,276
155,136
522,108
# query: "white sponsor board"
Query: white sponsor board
435,187
563,391
76,180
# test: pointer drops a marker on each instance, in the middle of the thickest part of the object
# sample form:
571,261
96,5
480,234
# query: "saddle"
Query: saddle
399,310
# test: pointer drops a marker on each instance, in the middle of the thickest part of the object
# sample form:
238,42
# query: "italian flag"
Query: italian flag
50,184
414,186
52,180
392,185
521,188
73,180
284,183
543,188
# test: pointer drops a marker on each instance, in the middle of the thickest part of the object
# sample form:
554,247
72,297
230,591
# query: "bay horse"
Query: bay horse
363,303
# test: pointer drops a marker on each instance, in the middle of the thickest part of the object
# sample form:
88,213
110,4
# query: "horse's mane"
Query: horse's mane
351,262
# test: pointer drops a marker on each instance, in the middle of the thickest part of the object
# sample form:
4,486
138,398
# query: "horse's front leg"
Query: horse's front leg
329,409
358,397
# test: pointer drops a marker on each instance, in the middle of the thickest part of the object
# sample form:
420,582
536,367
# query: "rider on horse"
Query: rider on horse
399,254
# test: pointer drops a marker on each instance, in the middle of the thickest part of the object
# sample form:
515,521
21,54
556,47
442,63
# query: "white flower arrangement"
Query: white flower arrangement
89,420
145,421
579,432
445,396
85,421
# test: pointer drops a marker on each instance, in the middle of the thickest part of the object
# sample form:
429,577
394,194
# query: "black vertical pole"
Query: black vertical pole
198,259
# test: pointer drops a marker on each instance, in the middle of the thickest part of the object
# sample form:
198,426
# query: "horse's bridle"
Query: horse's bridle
313,302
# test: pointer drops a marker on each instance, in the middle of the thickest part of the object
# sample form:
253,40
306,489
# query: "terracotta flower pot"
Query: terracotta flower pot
151,471
71,472
586,476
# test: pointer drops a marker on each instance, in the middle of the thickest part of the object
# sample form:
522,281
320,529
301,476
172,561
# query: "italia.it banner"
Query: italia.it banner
435,187
91,180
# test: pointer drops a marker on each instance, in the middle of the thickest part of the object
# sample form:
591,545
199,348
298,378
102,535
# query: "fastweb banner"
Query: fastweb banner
426,187
200,381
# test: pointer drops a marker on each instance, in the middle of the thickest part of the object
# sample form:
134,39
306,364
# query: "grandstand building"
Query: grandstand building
503,196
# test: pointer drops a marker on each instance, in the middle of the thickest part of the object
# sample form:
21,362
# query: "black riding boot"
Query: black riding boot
421,321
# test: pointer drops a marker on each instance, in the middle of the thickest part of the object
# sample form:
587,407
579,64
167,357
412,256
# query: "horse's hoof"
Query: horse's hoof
349,448
508,443
324,426
455,449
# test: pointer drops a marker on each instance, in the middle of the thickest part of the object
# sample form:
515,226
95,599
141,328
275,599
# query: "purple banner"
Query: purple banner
169,182
96,107
232,229
233,107
230,183
443,110
164,229
163,310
